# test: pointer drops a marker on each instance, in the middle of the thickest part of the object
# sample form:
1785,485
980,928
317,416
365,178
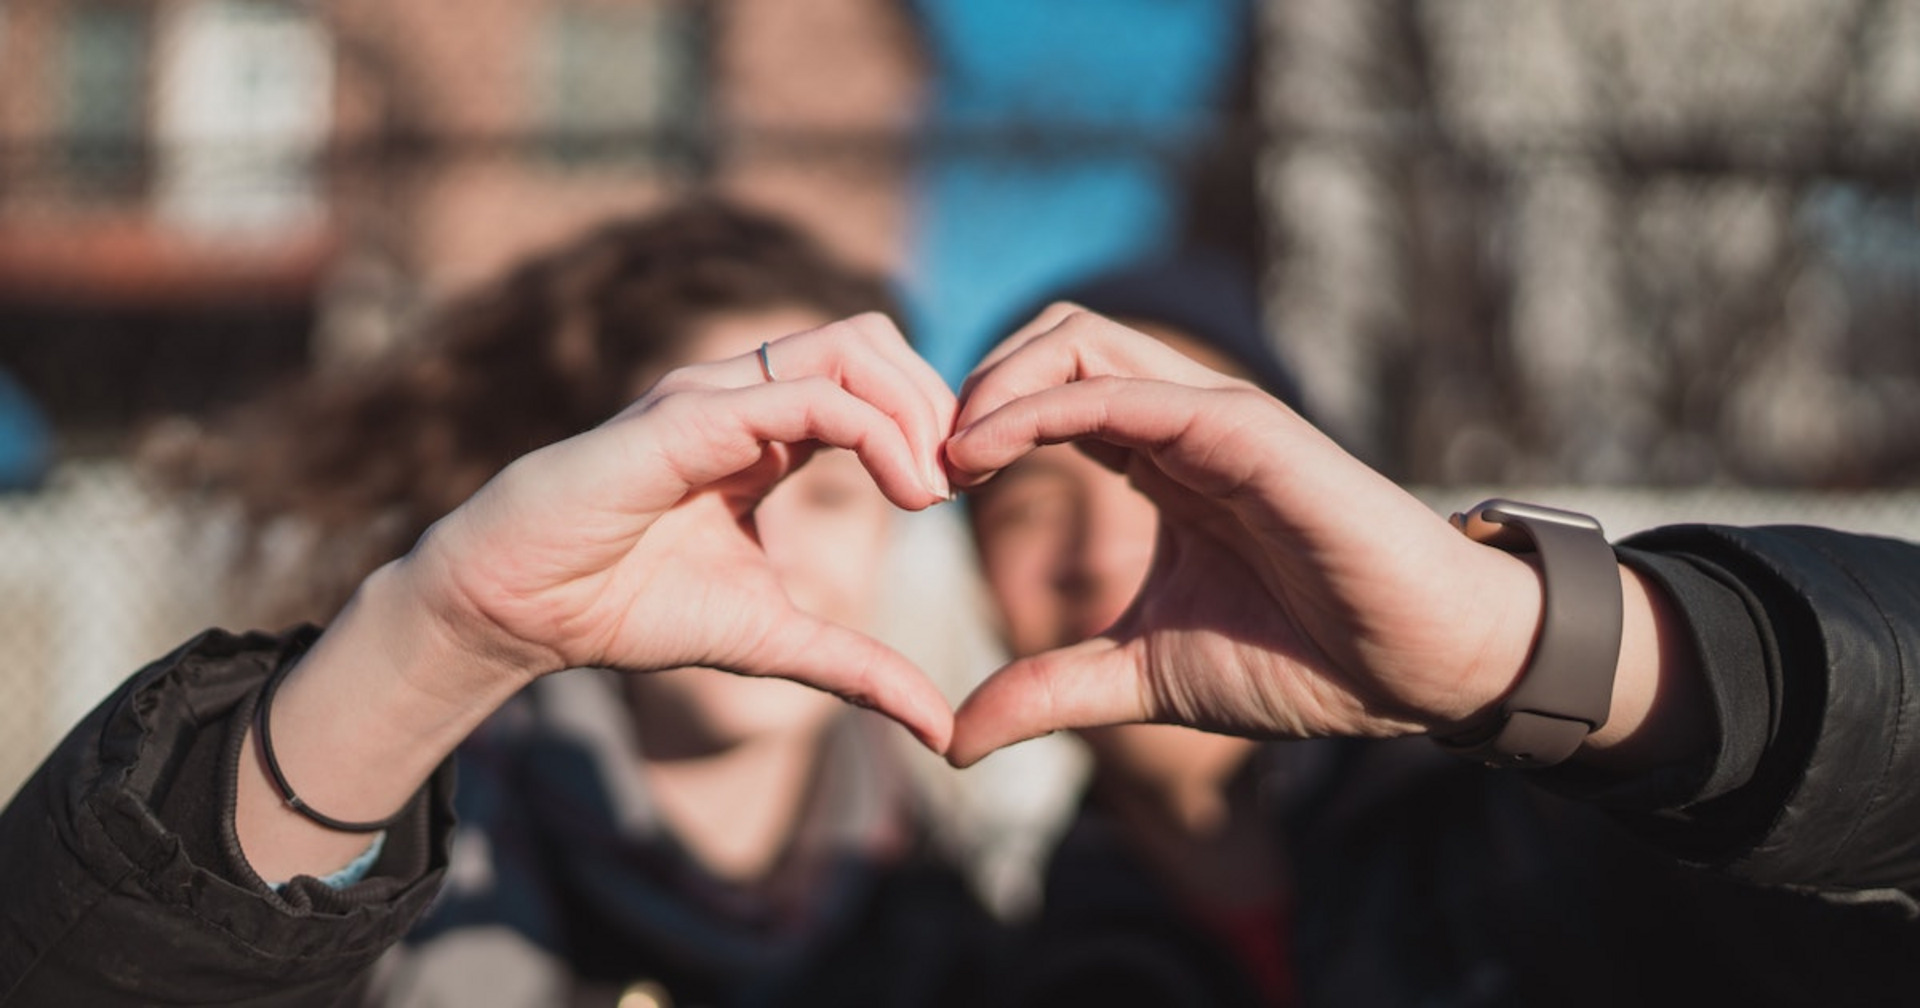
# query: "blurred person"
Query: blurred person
1208,869
1171,887
696,836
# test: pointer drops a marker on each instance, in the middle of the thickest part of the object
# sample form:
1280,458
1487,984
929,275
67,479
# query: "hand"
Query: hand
1293,591
632,546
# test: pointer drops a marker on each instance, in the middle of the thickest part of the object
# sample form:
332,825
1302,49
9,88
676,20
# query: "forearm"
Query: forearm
358,726
1658,714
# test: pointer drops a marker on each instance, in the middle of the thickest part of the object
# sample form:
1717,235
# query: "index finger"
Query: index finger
869,357
891,375
1078,345
1212,440
1050,317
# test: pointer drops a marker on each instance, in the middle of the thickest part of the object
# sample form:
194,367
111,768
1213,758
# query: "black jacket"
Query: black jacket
122,881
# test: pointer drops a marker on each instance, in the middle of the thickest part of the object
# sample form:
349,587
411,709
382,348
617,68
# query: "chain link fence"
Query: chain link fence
1633,242
96,579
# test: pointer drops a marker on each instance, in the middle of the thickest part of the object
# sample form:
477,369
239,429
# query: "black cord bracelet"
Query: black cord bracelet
261,716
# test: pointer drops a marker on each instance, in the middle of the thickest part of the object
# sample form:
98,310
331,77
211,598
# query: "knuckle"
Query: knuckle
1079,317
873,324
1105,384
678,381
1245,395
815,385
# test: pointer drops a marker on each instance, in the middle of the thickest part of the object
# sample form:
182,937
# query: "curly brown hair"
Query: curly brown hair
361,463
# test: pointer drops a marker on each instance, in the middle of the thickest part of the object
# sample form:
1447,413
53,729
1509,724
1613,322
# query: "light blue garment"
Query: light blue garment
356,869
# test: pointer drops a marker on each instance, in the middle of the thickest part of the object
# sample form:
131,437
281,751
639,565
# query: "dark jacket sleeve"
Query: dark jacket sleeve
121,880
1810,639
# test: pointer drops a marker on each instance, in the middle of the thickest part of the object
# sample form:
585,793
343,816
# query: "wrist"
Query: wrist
358,726
1507,600
1660,713
387,685
1565,692
431,594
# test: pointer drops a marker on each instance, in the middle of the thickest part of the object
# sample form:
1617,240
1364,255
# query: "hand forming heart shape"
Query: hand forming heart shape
1263,612
1270,607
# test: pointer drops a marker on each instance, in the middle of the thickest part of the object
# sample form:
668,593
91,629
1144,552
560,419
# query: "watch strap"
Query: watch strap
1566,690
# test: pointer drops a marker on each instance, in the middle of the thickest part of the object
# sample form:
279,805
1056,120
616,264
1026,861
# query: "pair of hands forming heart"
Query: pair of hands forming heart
1294,592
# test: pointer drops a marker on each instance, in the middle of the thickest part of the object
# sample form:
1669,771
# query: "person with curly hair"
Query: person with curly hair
694,835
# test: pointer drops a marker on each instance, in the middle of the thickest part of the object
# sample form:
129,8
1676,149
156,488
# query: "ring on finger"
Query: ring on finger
766,363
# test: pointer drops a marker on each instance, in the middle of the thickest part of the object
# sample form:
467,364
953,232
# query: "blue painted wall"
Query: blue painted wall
1046,118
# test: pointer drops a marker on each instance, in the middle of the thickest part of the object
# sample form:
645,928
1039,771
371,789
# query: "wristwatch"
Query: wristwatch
1567,688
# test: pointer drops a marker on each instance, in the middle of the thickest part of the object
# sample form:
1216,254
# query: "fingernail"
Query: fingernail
936,480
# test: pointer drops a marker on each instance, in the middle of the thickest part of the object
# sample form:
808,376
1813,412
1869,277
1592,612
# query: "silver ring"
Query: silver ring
766,365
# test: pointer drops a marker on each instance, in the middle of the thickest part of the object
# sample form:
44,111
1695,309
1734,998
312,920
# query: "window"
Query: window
244,107
103,63
623,84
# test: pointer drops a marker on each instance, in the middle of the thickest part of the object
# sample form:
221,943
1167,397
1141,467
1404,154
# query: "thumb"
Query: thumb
860,670
1095,682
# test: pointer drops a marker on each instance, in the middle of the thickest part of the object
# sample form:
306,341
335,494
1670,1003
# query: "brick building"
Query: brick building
198,193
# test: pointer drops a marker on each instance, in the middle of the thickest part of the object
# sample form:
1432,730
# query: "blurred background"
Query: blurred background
1658,260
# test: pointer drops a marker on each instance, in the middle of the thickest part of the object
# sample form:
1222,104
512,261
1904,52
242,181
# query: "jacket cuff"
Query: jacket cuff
122,888
1829,802
405,856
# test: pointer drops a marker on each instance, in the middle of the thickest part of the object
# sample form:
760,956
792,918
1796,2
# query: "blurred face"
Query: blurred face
825,532
1065,544
1064,541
